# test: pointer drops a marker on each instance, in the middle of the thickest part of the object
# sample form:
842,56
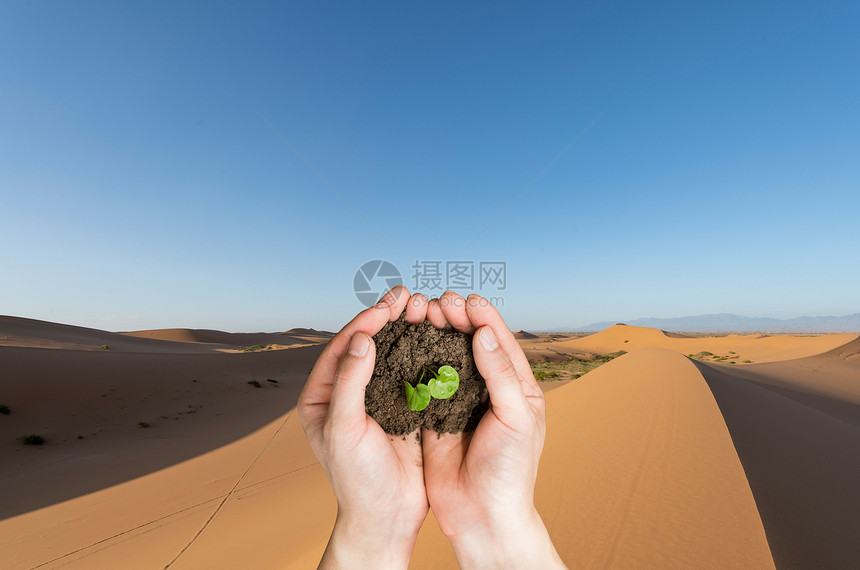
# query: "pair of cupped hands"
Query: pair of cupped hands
480,485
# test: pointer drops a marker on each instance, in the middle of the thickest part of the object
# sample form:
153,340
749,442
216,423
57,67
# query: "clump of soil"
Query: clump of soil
402,350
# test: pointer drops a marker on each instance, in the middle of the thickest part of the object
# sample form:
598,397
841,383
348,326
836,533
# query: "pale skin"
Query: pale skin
479,485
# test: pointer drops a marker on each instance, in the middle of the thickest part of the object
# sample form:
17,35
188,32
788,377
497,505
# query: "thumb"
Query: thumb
503,384
350,380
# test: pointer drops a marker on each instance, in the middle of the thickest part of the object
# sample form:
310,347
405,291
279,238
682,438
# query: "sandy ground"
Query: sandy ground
652,460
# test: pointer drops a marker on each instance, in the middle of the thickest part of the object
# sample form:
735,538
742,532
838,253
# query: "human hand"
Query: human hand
481,485
378,479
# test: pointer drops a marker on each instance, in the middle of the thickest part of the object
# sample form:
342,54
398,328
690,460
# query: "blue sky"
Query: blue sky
715,164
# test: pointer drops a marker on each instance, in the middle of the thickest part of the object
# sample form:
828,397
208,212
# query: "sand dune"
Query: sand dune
639,471
193,403
21,332
652,460
523,335
796,428
299,331
658,483
754,347
682,464
287,338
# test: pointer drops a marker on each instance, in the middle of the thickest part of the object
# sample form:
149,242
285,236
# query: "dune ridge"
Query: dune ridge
796,427
22,332
658,481
209,336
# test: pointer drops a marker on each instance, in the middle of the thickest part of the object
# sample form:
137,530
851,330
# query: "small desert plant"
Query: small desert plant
4,409
541,375
746,361
32,439
610,356
442,386
105,347
732,352
257,347
143,424
254,383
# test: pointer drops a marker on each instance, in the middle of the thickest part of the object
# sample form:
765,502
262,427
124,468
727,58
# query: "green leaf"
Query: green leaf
444,384
417,397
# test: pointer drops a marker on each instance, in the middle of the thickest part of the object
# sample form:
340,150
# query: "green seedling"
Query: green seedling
444,383
441,386
417,397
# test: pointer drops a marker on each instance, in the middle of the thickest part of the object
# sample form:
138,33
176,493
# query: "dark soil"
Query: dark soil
402,350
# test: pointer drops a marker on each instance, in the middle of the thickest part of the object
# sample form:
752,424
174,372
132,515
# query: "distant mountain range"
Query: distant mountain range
727,322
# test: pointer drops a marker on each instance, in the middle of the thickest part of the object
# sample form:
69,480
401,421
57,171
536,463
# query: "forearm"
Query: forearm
521,542
357,544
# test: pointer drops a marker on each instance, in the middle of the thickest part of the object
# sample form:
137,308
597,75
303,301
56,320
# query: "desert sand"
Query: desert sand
651,460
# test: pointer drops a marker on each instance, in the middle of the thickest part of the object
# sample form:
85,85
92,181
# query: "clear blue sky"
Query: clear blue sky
141,185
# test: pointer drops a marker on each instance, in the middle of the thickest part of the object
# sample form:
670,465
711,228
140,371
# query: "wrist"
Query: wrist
363,543
510,541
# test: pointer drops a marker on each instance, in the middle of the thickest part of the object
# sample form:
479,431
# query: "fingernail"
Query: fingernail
359,344
488,339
